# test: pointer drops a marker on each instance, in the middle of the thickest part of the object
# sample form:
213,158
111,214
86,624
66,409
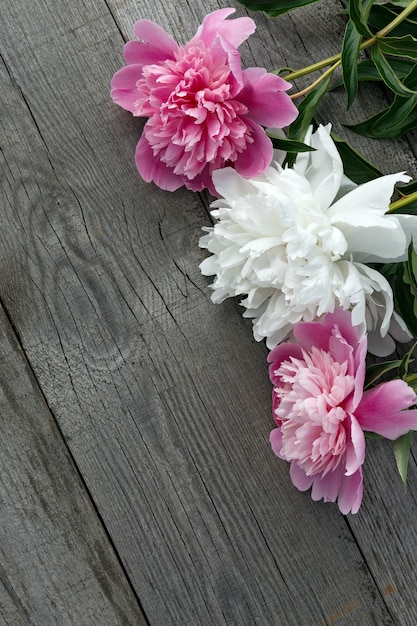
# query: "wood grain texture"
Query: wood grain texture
162,398
56,563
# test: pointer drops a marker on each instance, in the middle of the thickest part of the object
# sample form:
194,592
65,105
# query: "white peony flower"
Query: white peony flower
296,242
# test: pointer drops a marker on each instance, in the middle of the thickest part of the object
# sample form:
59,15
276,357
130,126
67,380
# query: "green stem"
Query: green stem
402,202
310,68
314,84
365,44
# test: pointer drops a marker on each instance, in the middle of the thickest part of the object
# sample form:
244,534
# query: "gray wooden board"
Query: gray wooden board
163,398
57,565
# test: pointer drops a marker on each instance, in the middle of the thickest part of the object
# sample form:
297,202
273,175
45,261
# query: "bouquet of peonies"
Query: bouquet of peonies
305,231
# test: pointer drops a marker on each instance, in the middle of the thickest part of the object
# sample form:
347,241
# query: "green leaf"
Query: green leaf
350,52
401,3
382,14
405,363
412,266
404,298
392,122
368,72
396,119
288,145
275,7
401,447
405,46
411,79
408,188
375,371
306,111
355,166
387,269
403,191
359,13
388,74
409,209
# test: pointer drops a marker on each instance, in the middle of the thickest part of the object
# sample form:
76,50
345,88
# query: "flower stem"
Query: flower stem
365,44
402,202
314,84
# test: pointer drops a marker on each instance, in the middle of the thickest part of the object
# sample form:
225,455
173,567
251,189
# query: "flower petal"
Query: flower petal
299,478
157,38
360,369
310,334
381,409
409,226
327,486
124,91
323,168
235,31
152,169
229,185
372,238
282,352
361,216
139,53
256,158
350,493
263,94
355,451
275,439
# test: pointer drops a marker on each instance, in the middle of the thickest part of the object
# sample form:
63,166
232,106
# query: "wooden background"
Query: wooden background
137,483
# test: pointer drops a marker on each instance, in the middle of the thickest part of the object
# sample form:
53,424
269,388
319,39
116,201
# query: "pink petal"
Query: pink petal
139,53
355,450
157,37
381,409
235,31
299,478
275,439
350,493
124,91
263,94
318,334
221,47
282,352
341,350
360,368
257,156
327,487
200,182
152,169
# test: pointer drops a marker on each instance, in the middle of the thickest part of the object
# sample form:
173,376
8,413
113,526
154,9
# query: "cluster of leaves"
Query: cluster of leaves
389,31
393,61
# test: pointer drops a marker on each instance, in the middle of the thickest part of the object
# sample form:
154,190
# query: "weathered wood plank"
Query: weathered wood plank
56,564
152,386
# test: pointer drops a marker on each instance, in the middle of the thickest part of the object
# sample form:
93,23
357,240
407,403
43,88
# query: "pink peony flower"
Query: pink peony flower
322,411
204,110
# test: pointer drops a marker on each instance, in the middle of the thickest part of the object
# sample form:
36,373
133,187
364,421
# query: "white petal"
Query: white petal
230,185
409,226
324,170
303,158
380,284
380,346
382,241
372,197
